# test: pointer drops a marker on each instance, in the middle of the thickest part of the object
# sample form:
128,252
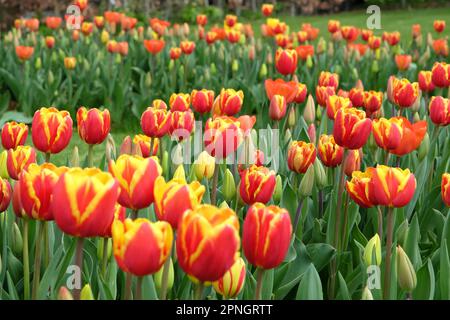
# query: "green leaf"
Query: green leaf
444,276
412,243
321,254
310,287
343,293
425,282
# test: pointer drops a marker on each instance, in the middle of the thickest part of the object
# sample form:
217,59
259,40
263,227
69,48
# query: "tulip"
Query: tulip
93,125
230,20
392,38
141,247
24,53
356,95
330,153
257,184
182,124
267,9
309,114
83,202
440,74
99,21
373,250
159,104
187,47
322,94
445,188
18,159
373,100
204,166
232,282
266,235
229,186
233,35
148,146
405,93
229,102
277,107
70,63
14,134
202,19
202,100
300,156
334,103
406,275
403,61
305,51
51,130
156,122
154,46
222,136
387,133
3,164
352,162
349,33
328,79
36,185
53,22
136,177
174,197
301,93
374,42
439,25
5,194
179,102
286,61
208,242
439,111
358,187
351,128
333,26
50,42
289,90
175,53
440,47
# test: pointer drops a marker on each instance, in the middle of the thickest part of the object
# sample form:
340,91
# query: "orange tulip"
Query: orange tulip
14,134
267,9
24,53
440,47
287,89
93,125
300,156
187,47
330,153
202,19
230,20
87,28
333,26
70,63
211,37
99,21
439,111
351,128
53,22
445,188
32,24
208,242
439,25
416,30
352,161
49,42
403,61
175,53
18,159
257,184
305,51
154,46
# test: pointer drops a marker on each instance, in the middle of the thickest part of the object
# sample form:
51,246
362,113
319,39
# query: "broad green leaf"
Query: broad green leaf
310,287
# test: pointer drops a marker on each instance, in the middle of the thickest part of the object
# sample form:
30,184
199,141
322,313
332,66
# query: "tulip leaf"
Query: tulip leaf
14,116
411,245
148,289
421,174
444,275
267,285
11,287
321,254
310,287
425,282
343,293
50,275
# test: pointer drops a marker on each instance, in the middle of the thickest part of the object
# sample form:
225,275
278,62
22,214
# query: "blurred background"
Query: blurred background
186,10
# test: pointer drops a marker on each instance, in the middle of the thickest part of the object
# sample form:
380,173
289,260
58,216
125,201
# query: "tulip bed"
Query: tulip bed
272,166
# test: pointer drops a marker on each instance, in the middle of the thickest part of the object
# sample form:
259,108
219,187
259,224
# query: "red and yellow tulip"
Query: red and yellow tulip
202,100
156,122
445,188
232,282
5,194
93,125
351,128
330,153
300,156
180,102
14,134
257,184
18,159
439,111
222,136
286,61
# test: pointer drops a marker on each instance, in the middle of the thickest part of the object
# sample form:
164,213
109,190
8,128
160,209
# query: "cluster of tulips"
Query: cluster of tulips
258,227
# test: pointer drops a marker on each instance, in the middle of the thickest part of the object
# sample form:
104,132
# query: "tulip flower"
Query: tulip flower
305,51
328,79
358,187
277,107
180,102
174,197
49,42
425,81
403,61
175,53
5,194
182,124
36,185
141,247
211,37
286,61
387,133
405,93
93,125
267,9
439,111
440,47
99,21
349,33
159,104
439,25
322,94
18,159
148,146
87,28
257,184
356,95
232,282
392,38
70,63
51,130
136,177
352,161
32,24
440,74
445,189
222,136
373,100
156,122
334,103
374,42
289,90
83,202
202,100
202,20
24,53
330,153
411,135
53,22
14,134
154,46
333,26
208,242
351,128
301,93
187,47
229,102
230,20
204,166
233,35
300,156
266,235
366,34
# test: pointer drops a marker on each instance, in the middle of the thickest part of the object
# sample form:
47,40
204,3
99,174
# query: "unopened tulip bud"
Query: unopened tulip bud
75,158
171,64
367,294
263,71
406,274
375,67
269,58
118,59
158,277
125,148
318,113
64,294
309,114
307,183
287,137
104,36
165,162
100,248
213,69
204,166
330,52
86,65
16,240
3,167
372,251
321,45
50,77
424,147
229,186
278,189
86,293
181,71
320,175
338,69
221,53
309,62
235,66
291,118
312,133
179,173
148,80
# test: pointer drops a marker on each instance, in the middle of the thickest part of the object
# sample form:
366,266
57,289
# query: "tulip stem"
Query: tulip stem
26,262
105,257
297,215
37,261
320,203
214,186
46,245
47,156
259,281
387,272
134,214
165,274
199,291
79,264
90,155
128,280
344,232
380,222
139,288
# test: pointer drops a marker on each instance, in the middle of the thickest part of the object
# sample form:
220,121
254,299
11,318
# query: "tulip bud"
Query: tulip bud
75,159
86,293
312,133
86,65
1,264
320,174
263,71
110,148
318,113
100,248
104,37
181,71
372,251
125,148
179,173
278,189
229,186
235,66
338,69
157,277
204,166
3,168
50,77
16,240
375,67
64,294
330,49
287,137
221,53
291,118
148,80
307,183
213,69
367,295
118,59
165,162
309,62
171,65
424,147
38,63
406,274
224,205
309,114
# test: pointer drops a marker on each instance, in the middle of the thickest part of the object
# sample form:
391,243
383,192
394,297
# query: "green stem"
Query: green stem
79,264
46,246
139,288
26,262
37,261
380,223
387,271
165,275
128,280
344,232
47,156
259,280
199,291
91,155
214,185
105,257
